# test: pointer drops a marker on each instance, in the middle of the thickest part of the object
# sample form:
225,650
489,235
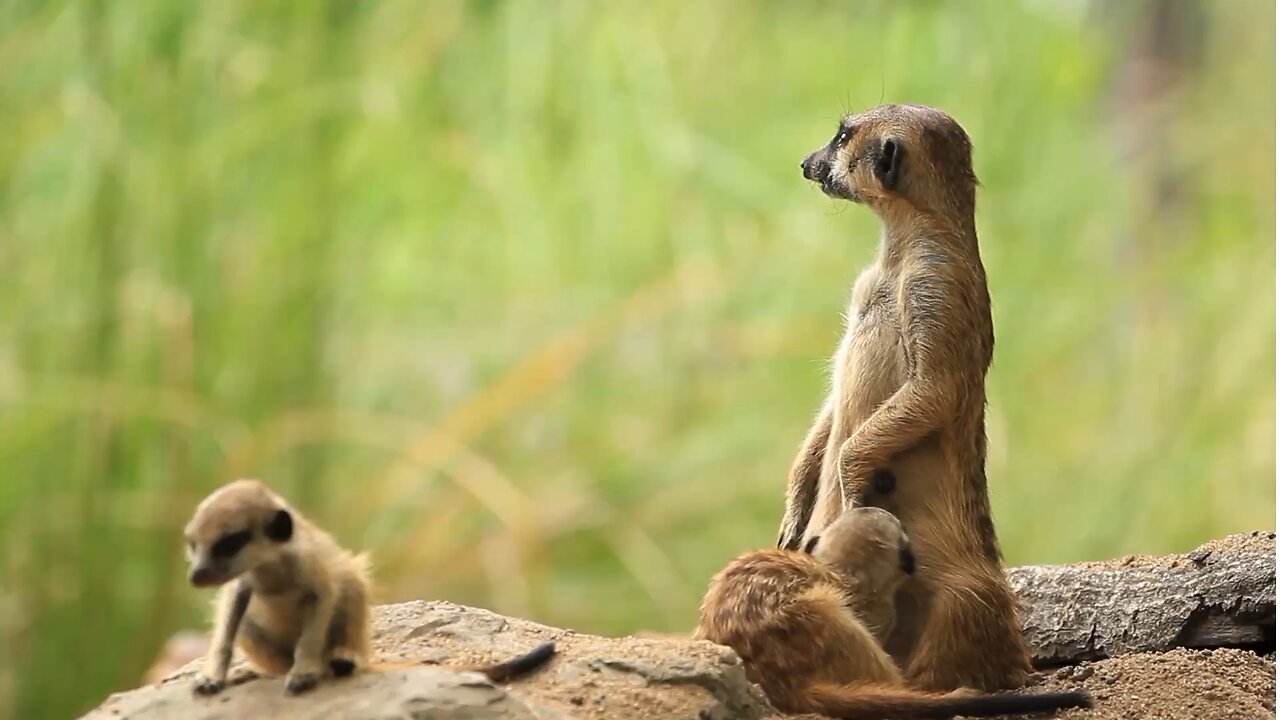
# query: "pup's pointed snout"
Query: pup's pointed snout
201,576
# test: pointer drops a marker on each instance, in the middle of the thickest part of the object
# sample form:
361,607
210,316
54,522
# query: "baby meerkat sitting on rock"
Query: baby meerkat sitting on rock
294,601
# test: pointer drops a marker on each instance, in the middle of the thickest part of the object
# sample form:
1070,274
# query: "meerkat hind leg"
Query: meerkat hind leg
965,643
348,641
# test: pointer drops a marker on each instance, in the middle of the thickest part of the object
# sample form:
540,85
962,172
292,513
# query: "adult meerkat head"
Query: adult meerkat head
239,527
869,544
895,153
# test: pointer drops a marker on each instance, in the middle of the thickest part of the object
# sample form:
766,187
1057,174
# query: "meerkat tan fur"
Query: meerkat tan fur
294,601
903,425
808,627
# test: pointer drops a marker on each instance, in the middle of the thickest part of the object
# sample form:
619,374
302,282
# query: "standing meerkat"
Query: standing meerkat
293,600
808,627
903,425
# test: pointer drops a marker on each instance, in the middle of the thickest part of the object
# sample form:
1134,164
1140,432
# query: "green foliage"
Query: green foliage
530,300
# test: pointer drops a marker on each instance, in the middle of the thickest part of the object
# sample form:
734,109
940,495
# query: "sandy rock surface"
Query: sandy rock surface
591,677
1181,683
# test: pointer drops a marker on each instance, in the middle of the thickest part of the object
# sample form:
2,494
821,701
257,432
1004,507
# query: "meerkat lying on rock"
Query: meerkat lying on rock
808,625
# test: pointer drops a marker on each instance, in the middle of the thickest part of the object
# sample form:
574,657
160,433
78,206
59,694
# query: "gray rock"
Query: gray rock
590,677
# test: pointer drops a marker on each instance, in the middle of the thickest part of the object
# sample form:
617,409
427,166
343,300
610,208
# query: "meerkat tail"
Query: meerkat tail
520,665
499,672
862,702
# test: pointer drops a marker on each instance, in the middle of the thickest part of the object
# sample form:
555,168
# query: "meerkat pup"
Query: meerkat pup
903,425
808,626
294,601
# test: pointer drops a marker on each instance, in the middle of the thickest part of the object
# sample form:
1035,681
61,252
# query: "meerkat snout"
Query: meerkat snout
810,167
203,576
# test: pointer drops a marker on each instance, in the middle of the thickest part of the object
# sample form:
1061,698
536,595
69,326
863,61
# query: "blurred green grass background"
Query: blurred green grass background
530,299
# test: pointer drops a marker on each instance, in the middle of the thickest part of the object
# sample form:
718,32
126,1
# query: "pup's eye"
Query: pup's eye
231,543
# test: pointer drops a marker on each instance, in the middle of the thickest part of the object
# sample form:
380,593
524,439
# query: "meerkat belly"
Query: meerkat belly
270,631
869,367
920,475
934,517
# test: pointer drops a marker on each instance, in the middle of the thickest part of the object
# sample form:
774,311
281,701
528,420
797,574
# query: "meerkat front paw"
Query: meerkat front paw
791,534
207,685
855,491
299,682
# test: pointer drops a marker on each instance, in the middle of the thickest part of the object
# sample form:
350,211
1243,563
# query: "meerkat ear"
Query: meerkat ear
888,164
809,546
280,526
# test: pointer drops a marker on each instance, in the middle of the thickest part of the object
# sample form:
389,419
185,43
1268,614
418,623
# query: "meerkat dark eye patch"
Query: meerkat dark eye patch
809,546
230,544
843,133
280,526
888,164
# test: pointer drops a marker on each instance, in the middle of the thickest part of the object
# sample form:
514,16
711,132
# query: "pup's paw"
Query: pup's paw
207,685
299,682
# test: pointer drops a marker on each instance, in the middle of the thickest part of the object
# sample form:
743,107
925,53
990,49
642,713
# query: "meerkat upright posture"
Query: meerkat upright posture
903,425
808,627
293,600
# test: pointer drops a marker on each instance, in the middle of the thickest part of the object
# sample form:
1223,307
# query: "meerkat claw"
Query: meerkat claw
207,686
298,683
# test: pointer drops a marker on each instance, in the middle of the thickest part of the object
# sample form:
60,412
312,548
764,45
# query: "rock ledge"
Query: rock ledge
1139,634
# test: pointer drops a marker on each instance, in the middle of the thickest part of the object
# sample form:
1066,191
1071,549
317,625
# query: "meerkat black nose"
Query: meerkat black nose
200,576
806,167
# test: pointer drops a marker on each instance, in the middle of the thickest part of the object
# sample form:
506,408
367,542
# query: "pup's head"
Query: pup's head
895,153
868,544
241,526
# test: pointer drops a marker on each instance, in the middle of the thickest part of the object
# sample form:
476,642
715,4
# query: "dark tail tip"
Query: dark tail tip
1082,700
521,664
1009,704
1073,699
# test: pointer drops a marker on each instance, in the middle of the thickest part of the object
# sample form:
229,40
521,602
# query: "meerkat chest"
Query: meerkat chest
279,616
870,364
